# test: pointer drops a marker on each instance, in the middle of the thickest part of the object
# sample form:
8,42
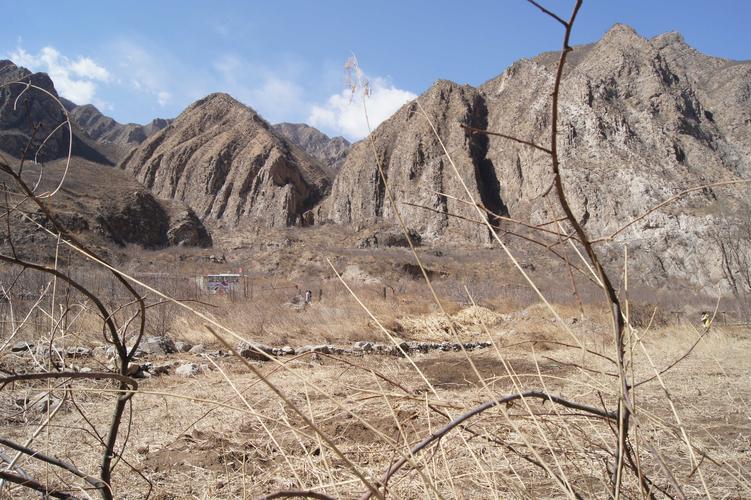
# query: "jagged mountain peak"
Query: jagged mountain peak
668,38
17,123
416,167
107,131
221,109
218,99
227,163
621,32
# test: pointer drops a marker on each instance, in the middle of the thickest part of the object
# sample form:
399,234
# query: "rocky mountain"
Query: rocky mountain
228,164
641,120
100,203
102,128
418,171
329,151
29,115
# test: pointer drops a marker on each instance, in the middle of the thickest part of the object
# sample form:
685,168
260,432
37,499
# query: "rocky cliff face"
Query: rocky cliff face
418,171
641,120
227,163
329,151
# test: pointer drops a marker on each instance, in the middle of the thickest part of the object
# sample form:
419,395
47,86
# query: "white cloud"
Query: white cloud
343,113
74,79
163,98
145,72
86,68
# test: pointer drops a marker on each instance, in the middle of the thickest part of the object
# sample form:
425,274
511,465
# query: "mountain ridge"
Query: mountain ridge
331,151
102,204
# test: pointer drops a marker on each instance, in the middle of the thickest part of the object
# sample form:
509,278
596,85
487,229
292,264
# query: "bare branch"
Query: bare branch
34,485
98,484
551,14
473,130
90,375
438,434
667,202
505,231
297,494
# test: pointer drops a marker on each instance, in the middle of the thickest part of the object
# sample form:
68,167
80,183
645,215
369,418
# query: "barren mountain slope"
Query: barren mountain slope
638,125
98,202
227,163
330,151
101,205
22,109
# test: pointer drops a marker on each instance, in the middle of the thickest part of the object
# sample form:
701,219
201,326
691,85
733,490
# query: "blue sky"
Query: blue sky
139,60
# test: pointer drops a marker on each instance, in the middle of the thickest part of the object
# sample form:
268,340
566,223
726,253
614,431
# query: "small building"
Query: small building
222,283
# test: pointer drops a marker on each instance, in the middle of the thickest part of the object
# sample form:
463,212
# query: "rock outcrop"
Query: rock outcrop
330,151
227,163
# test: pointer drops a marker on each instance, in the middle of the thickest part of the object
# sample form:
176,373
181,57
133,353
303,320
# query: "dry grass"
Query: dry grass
199,439
469,323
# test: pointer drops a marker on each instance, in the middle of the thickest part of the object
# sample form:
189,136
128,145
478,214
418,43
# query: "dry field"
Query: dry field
223,433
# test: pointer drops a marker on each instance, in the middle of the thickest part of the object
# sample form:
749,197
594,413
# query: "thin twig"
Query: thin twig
297,494
473,130
667,202
96,483
551,14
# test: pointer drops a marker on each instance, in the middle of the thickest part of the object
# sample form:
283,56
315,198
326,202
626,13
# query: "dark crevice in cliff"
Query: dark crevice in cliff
485,174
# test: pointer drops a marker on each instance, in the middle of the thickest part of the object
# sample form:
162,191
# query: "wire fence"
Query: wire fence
22,291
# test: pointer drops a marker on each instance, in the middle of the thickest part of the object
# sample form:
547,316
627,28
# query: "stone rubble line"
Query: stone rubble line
163,345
